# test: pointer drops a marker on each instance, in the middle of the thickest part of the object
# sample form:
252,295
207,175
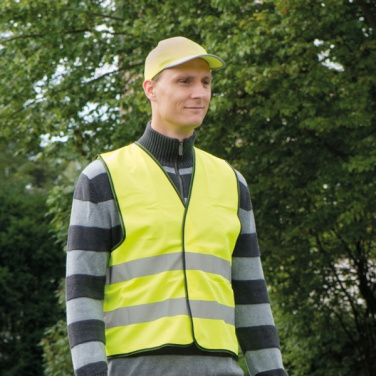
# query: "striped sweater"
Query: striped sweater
95,230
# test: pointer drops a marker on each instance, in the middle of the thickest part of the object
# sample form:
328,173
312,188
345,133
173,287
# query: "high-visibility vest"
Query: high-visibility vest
169,281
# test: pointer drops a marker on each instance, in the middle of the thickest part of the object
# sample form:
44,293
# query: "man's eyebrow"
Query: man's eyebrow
207,77
189,75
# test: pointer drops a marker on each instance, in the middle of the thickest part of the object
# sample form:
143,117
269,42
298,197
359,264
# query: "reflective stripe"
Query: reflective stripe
143,267
167,262
209,264
212,310
172,307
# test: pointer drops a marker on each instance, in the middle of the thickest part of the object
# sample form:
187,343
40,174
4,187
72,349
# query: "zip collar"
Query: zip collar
166,149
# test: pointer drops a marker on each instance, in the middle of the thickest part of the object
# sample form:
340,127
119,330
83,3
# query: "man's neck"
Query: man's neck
180,133
165,149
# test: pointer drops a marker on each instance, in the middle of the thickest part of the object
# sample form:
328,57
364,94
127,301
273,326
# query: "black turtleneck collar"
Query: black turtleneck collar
166,149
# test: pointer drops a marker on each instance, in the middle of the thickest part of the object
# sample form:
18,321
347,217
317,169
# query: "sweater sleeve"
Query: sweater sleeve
94,228
257,334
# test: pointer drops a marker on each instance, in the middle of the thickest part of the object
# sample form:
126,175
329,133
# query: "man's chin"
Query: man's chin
195,122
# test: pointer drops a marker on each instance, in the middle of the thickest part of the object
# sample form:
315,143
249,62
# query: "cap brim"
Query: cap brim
215,62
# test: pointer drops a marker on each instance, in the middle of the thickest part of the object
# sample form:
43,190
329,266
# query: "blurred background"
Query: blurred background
294,111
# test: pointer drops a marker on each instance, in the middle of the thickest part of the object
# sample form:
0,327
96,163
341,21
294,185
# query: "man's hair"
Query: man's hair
157,77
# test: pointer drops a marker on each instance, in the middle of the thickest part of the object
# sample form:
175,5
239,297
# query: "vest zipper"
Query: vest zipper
189,309
180,180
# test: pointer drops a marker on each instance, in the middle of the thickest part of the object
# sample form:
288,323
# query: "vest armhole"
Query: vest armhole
237,183
238,188
123,236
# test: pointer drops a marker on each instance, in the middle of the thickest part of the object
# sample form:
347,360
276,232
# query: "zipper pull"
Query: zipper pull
181,149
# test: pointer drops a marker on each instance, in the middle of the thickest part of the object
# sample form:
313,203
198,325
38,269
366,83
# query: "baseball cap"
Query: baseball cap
175,51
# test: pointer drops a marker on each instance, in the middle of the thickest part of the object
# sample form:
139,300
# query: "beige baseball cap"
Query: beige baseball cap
175,51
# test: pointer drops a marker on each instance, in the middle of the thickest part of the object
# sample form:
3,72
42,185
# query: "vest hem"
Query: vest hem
167,349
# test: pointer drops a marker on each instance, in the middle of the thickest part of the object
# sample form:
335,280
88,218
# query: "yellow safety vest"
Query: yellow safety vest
169,281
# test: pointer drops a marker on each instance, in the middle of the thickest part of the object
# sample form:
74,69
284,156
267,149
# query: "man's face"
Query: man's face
180,98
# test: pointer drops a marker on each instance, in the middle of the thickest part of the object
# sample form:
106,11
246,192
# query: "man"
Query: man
163,268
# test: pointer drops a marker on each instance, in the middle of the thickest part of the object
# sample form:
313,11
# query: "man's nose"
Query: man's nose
200,91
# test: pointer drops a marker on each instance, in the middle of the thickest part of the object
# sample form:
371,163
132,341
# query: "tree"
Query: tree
313,158
293,111
56,354
31,266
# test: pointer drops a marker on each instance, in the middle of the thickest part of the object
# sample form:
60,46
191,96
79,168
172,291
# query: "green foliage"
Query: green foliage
294,111
56,351
30,268
242,363
59,202
31,262
56,354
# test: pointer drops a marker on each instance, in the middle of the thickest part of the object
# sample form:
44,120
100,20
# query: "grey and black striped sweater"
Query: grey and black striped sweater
95,230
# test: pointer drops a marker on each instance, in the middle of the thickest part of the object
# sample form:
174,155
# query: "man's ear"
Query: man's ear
149,88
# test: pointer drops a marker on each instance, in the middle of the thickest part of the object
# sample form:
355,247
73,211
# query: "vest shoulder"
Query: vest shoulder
124,153
118,150
238,175
204,154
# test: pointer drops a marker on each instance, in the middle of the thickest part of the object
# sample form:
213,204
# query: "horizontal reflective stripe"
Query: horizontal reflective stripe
168,308
167,262
209,264
212,310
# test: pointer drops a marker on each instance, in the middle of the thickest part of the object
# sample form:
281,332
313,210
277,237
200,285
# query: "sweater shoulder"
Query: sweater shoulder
94,169
245,202
93,184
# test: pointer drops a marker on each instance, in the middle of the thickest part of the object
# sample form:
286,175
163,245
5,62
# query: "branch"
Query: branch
3,41
367,12
364,283
100,15
343,288
25,36
76,31
81,83
22,108
344,327
360,262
